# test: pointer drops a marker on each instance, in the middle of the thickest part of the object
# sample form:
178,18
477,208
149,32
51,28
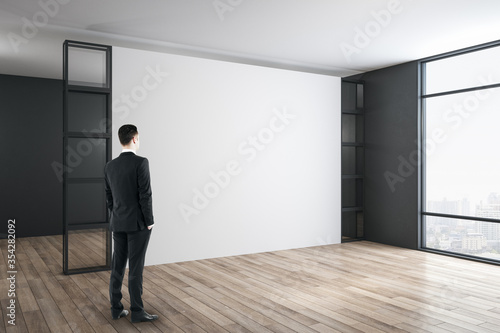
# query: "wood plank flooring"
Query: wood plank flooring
350,287
87,248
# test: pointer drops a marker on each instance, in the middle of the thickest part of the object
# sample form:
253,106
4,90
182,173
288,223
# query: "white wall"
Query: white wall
261,145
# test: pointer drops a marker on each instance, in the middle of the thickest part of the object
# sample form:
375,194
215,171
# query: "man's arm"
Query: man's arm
109,195
145,193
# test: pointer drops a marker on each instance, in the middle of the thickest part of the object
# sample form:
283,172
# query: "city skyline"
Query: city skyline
469,237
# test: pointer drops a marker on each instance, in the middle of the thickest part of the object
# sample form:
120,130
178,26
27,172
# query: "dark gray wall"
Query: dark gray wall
31,129
391,170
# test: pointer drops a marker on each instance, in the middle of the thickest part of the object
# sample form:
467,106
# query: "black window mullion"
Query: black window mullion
461,91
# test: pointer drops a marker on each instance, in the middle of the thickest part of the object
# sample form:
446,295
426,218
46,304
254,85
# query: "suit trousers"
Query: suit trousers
131,246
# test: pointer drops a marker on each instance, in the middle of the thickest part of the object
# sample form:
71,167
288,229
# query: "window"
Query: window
461,159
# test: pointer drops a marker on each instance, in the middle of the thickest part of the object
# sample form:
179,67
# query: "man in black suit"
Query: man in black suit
128,197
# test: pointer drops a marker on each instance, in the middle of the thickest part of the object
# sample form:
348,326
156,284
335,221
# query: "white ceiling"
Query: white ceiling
306,35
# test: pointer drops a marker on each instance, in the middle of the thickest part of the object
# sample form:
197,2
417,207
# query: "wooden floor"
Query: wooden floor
350,287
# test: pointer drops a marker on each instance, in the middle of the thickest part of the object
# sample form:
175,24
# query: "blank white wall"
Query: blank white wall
243,159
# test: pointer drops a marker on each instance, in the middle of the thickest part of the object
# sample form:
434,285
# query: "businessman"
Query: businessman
129,201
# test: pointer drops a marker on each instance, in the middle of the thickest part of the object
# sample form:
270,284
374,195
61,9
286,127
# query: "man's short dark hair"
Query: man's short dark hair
126,133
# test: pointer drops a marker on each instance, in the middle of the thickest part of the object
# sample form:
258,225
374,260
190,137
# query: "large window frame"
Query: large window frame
423,96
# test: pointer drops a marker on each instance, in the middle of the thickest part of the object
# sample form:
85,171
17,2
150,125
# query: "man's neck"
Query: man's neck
127,150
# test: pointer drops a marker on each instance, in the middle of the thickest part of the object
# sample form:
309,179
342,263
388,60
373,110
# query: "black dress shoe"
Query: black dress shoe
144,317
124,313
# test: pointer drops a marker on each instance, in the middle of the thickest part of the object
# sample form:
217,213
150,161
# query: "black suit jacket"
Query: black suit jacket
128,193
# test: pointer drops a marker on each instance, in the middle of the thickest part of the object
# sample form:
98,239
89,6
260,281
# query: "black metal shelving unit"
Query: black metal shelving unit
87,149
352,107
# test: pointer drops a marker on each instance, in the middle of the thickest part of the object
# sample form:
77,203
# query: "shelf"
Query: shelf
94,89
358,112
352,209
353,177
352,159
88,135
353,144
